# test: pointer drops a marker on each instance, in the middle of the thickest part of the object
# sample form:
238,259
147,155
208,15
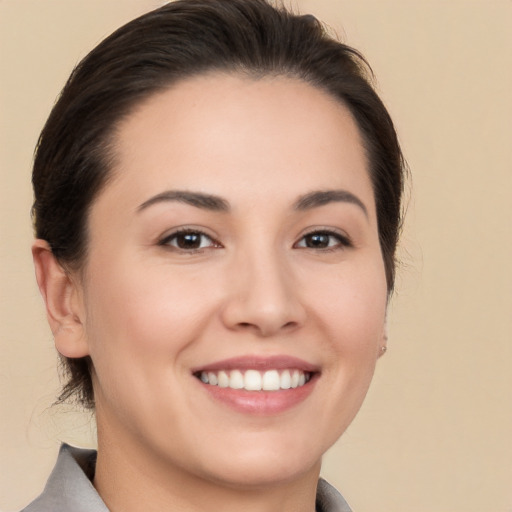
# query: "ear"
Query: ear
383,347
62,297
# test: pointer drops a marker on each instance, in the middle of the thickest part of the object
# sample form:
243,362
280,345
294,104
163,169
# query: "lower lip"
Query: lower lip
262,403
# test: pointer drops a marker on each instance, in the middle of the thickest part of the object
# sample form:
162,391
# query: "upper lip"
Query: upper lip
262,363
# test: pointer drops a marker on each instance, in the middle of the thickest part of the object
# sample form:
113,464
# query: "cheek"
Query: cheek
140,328
352,304
353,311
148,315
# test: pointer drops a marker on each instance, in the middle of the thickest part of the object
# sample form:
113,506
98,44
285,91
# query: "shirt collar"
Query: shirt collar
70,487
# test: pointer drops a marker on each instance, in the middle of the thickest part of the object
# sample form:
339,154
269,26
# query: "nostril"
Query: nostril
265,328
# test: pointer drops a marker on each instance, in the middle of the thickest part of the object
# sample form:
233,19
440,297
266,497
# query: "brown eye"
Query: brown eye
317,240
323,240
189,241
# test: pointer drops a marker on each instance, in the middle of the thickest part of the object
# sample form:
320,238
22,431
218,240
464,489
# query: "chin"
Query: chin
264,464
263,472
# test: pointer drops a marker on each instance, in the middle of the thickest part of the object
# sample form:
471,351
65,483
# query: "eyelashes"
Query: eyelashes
324,239
189,240
192,240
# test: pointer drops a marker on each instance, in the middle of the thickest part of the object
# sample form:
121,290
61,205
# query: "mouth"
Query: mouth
258,385
255,380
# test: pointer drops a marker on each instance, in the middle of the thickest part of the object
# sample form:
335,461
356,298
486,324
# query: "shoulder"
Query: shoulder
328,499
69,487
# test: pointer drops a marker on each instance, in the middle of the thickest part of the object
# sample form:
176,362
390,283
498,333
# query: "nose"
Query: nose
263,296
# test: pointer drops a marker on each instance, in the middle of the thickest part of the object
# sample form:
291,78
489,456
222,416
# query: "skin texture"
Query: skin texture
148,313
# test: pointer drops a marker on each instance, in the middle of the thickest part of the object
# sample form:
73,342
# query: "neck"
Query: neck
130,478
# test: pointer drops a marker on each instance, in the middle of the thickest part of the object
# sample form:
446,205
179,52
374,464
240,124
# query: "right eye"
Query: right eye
189,240
324,240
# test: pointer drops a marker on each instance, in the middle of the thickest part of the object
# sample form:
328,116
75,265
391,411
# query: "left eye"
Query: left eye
322,240
189,240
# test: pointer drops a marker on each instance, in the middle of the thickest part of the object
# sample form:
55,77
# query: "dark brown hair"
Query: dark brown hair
179,40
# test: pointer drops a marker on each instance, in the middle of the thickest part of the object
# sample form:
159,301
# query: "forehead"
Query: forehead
214,132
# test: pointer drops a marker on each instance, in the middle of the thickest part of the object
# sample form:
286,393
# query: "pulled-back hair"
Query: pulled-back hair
182,39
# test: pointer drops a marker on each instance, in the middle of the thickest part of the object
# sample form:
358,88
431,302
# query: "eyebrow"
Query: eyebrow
323,197
218,204
197,199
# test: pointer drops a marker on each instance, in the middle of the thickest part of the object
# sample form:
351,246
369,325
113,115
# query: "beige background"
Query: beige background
435,434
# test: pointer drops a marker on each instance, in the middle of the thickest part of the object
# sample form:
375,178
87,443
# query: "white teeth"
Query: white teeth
286,380
271,381
253,380
236,379
295,378
223,380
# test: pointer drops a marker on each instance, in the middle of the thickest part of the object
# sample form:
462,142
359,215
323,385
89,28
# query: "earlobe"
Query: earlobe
61,295
384,343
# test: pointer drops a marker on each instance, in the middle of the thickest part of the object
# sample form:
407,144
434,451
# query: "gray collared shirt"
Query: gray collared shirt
70,489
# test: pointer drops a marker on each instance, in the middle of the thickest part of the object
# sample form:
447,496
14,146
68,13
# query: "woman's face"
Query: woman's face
236,245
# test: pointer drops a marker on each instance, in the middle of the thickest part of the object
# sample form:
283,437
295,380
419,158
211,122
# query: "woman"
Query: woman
217,207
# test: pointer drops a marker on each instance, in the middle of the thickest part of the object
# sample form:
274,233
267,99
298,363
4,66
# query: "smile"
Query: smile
254,380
